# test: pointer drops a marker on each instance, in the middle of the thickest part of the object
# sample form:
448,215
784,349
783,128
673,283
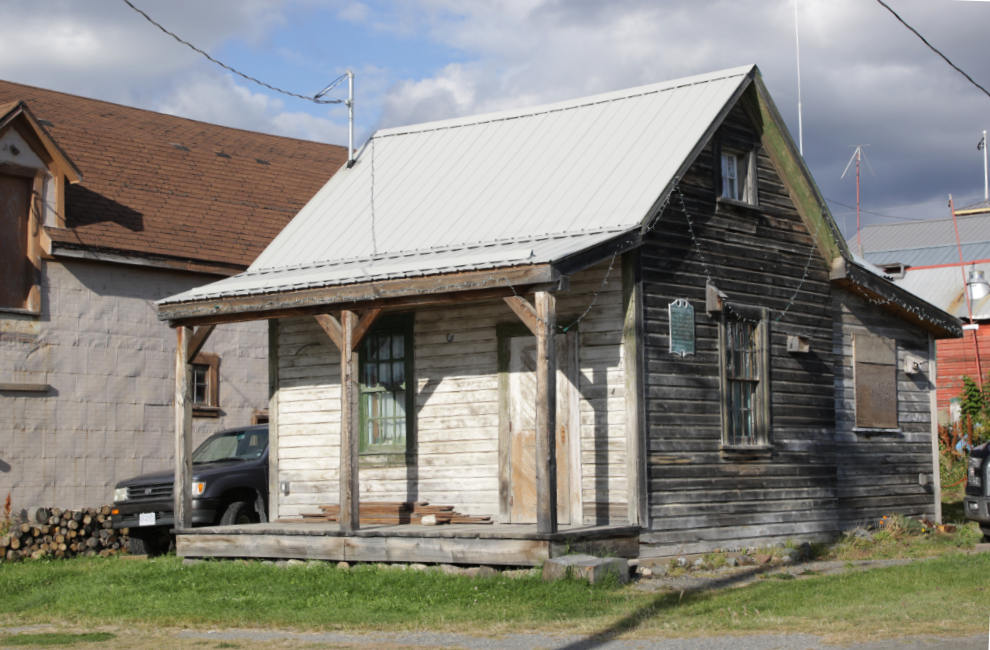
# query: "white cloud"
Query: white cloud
355,12
865,77
218,100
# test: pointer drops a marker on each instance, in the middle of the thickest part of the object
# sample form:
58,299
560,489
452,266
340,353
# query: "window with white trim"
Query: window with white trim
736,172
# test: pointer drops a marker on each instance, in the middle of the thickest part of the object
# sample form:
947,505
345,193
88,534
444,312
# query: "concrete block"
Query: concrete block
586,567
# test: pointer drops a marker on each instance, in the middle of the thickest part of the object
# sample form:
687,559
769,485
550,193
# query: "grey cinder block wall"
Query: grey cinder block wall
109,363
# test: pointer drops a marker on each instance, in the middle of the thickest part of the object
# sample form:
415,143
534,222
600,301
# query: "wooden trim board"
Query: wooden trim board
520,552
459,544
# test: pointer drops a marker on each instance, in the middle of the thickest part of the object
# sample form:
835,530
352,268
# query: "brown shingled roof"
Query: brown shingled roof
160,185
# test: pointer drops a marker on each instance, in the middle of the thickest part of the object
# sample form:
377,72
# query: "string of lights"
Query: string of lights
315,100
916,311
807,267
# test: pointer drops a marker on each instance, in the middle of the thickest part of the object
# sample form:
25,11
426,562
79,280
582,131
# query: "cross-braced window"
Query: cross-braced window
206,385
744,346
386,395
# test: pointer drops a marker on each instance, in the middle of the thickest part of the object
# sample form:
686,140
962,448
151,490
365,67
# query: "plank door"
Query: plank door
522,428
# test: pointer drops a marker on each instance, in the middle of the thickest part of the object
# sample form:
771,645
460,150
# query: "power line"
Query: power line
930,46
896,207
879,214
315,100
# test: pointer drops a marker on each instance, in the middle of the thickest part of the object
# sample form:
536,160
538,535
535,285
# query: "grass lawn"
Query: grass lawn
945,596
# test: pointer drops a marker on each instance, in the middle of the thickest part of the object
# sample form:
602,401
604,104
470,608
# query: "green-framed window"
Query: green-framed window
744,344
387,393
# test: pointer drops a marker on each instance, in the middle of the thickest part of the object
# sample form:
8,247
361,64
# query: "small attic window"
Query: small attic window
222,154
261,162
896,271
735,171
179,146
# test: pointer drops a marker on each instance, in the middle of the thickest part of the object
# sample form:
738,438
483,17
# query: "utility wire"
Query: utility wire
879,214
930,46
227,67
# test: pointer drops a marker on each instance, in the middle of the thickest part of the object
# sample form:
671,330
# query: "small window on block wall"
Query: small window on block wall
206,385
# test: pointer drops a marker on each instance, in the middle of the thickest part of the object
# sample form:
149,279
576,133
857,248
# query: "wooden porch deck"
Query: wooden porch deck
496,544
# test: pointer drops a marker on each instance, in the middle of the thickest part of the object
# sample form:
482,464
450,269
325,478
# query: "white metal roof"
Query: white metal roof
527,186
912,235
944,287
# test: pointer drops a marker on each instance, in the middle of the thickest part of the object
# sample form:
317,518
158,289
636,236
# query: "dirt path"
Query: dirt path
264,639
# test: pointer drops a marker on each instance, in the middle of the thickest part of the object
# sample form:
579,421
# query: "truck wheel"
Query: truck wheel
986,533
239,513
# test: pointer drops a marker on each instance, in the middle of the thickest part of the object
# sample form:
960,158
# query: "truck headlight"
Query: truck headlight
120,494
198,489
973,472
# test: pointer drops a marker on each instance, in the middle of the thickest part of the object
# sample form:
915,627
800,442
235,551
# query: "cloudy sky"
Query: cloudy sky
865,78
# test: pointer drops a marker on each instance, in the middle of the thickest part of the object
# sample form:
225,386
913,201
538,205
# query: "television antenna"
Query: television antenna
349,102
857,155
797,50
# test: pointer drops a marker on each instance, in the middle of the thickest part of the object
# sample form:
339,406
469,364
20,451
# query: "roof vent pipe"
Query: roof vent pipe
977,285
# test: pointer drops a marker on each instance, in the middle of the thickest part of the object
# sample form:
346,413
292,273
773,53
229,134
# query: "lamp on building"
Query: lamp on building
977,285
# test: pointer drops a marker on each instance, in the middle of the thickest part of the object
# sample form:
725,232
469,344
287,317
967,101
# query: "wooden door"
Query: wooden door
522,430
16,272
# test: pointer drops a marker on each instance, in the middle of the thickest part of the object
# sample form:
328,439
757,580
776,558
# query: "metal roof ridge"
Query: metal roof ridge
579,102
491,243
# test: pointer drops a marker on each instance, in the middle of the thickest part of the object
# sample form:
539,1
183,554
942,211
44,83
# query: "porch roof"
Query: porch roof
510,189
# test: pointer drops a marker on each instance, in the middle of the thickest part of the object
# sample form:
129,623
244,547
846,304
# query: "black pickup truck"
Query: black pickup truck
229,486
977,499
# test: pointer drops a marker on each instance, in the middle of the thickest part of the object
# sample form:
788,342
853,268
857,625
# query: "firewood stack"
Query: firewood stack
63,534
391,513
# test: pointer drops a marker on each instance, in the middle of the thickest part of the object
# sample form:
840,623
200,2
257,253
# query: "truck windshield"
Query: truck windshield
231,446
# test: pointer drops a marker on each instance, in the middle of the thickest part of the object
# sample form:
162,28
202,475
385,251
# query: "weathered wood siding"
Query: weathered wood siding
879,473
455,459
699,496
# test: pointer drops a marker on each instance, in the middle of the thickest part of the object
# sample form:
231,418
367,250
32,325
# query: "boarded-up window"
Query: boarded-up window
17,274
876,382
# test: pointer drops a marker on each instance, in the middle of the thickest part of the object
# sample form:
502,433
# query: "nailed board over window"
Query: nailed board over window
876,381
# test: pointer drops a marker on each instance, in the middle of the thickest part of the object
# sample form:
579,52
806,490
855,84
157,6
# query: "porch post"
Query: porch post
182,490
546,412
349,425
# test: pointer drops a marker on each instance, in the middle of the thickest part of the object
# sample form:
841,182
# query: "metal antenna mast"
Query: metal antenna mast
986,186
797,48
856,156
349,75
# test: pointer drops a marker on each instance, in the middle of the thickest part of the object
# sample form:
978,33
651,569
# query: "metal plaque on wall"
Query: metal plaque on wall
681,327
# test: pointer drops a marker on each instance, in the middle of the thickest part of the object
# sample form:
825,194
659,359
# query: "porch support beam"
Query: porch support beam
347,334
525,312
198,340
546,412
182,489
350,484
332,327
364,324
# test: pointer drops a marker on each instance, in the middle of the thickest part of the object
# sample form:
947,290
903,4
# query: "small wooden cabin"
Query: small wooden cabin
623,318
